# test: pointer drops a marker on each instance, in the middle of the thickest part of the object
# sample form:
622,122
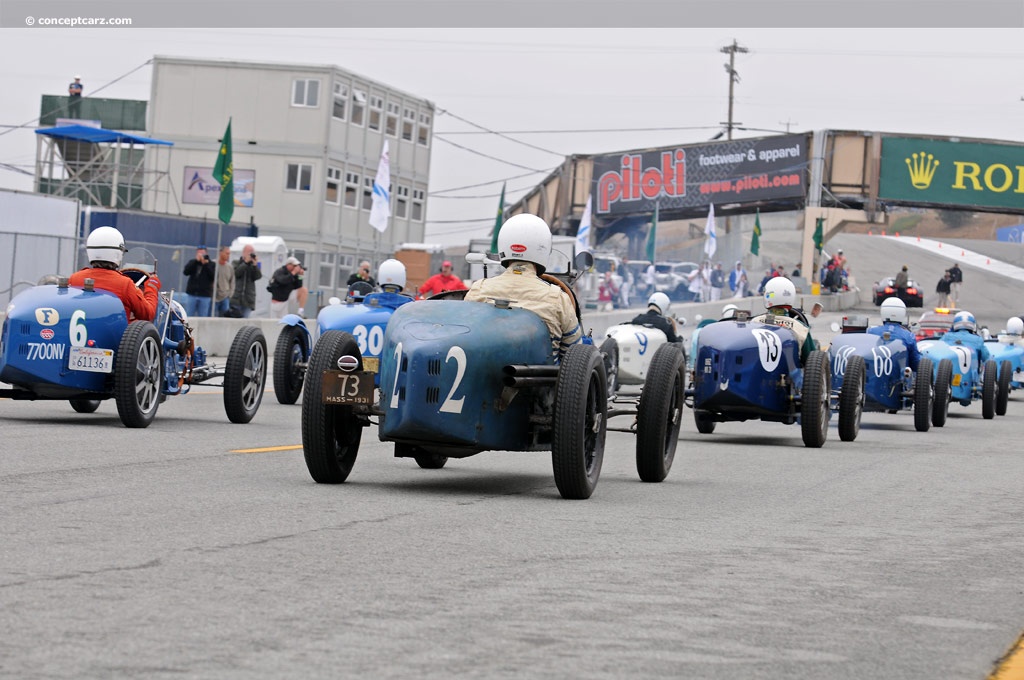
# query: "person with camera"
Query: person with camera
285,280
200,272
225,282
247,273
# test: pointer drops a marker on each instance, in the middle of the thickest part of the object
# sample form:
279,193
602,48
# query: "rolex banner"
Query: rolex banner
952,173
696,176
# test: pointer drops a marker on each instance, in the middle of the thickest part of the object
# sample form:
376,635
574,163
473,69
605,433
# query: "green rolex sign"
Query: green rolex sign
952,173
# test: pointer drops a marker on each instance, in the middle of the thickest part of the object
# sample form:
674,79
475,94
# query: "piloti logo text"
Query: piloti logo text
636,183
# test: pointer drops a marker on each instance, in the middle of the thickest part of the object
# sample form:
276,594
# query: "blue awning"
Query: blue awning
84,133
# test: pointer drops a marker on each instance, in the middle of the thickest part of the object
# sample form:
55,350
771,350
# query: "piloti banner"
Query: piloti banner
694,176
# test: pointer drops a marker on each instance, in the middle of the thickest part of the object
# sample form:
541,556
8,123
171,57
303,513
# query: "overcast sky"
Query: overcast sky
542,86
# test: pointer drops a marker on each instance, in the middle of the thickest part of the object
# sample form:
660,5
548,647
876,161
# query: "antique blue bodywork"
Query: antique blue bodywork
885,361
967,379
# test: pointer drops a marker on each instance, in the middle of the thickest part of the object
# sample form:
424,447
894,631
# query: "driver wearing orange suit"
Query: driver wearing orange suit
105,248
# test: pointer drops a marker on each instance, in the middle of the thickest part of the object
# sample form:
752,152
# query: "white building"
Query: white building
306,145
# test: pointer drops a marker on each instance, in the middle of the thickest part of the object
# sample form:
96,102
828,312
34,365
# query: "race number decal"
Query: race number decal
641,339
882,360
79,333
398,366
963,354
769,348
455,405
370,340
842,358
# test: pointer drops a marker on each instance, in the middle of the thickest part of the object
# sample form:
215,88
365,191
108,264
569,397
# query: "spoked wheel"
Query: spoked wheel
330,433
426,460
290,355
943,392
245,375
988,391
610,352
581,404
660,414
85,405
814,400
138,372
1003,387
924,395
851,399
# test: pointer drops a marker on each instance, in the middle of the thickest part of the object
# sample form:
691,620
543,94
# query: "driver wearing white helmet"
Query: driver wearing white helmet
779,298
656,316
894,322
105,248
1014,333
524,246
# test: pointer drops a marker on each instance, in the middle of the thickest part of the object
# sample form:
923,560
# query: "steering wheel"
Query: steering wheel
568,291
138,276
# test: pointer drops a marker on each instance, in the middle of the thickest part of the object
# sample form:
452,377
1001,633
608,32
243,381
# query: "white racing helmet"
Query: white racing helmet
729,311
894,311
1015,326
779,292
661,301
964,321
105,244
391,273
527,238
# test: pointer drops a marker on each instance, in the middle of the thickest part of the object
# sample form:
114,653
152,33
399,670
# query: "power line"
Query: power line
493,158
590,131
500,134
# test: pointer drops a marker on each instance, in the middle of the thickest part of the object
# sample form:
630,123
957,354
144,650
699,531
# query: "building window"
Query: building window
346,265
300,177
340,100
326,269
367,193
391,122
402,202
358,107
418,196
306,92
423,131
408,124
351,189
333,193
376,112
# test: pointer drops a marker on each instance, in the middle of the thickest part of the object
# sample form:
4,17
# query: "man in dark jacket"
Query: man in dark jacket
200,272
285,280
656,317
247,273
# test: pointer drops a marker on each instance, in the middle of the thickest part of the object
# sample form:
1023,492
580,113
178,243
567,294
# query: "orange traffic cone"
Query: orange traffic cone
988,261
869,233
883,232
918,239
961,253
897,234
940,244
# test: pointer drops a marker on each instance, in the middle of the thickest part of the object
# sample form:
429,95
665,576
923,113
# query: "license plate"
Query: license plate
92,359
340,387
371,364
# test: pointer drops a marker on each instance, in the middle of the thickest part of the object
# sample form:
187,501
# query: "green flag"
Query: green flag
498,220
223,172
755,241
819,233
652,236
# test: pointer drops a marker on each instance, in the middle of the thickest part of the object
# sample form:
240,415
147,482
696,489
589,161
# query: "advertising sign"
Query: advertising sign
952,173
200,187
695,176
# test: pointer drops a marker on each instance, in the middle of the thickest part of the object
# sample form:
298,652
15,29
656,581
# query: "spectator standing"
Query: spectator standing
247,273
225,282
651,279
75,98
769,274
900,282
956,277
441,282
694,285
286,279
362,274
717,282
200,272
738,280
943,289
627,284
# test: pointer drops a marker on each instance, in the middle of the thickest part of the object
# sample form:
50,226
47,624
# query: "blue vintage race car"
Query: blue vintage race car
1008,353
458,378
60,342
363,314
873,369
957,368
747,370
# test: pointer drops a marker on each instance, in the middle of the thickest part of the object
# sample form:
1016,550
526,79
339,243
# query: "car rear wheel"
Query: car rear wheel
851,399
426,460
85,405
924,395
660,414
988,391
943,392
330,433
581,403
290,354
610,352
1003,387
138,373
705,425
814,400
245,375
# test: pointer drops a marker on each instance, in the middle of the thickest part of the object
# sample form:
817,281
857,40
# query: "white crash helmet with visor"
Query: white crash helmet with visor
894,310
526,238
964,321
105,244
1015,326
779,292
391,274
661,301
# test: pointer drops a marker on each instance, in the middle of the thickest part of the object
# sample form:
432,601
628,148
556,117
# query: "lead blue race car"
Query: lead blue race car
76,344
958,368
458,378
1007,350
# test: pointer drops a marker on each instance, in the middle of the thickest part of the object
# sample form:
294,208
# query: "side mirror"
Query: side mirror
584,261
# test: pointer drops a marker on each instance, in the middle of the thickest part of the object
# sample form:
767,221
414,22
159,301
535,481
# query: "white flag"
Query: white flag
381,209
583,233
711,242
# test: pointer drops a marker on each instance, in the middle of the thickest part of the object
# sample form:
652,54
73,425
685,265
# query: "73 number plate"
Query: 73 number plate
92,359
341,387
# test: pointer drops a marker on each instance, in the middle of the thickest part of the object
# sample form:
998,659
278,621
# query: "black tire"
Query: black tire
610,351
1003,387
704,423
851,398
427,461
290,351
814,400
924,395
988,391
579,428
138,374
330,434
660,414
943,392
85,405
245,375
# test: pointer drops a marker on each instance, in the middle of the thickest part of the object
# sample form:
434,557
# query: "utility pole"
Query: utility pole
734,77
787,124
